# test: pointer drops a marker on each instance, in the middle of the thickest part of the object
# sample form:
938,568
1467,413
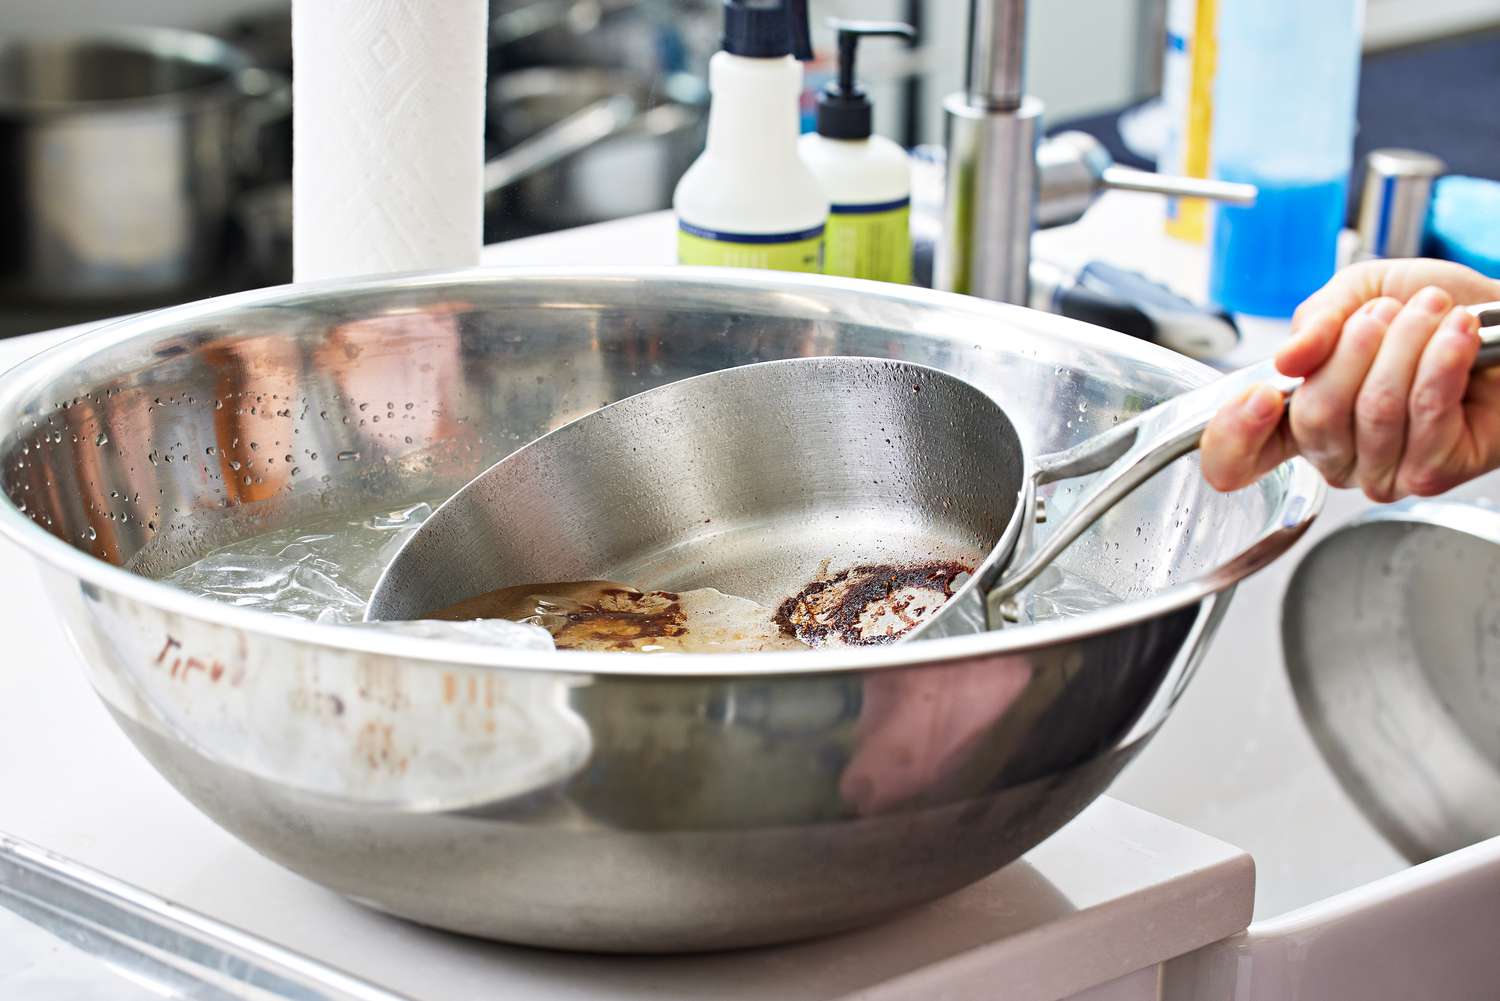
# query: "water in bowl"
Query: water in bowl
324,570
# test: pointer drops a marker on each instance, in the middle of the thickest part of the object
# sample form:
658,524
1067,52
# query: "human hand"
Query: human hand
1388,403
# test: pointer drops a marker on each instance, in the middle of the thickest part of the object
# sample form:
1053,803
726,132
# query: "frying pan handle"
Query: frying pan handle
1131,453
1489,334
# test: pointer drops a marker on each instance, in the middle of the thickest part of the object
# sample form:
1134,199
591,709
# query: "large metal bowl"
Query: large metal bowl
594,801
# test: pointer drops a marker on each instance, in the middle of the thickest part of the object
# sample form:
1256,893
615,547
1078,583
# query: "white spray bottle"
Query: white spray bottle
749,201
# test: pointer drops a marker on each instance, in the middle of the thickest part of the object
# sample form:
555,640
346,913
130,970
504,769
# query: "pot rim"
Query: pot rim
1302,499
174,44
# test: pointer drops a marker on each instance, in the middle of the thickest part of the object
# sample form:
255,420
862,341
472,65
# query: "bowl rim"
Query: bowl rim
1292,515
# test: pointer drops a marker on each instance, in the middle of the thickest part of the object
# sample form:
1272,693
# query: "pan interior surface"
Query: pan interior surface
756,481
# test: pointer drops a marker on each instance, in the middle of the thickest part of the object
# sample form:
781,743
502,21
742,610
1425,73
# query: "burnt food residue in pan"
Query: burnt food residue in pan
869,605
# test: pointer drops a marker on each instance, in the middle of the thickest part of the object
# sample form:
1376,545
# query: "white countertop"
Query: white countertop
1116,891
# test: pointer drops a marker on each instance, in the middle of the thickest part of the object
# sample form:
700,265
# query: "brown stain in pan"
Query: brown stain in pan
869,605
581,615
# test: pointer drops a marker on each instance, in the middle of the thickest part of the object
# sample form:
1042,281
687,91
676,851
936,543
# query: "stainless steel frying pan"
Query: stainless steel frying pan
1391,633
876,499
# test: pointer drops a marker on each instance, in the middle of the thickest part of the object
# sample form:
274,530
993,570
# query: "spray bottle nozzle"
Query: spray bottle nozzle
843,108
767,29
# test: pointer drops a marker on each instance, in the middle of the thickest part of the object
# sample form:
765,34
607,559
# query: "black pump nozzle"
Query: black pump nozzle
767,29
844,110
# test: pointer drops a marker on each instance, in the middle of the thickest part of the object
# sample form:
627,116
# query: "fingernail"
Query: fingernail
1459,326
1384,310
1322,318
1262,403
1432,300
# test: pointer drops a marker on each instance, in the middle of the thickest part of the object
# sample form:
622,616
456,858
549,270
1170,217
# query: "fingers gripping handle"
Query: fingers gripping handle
1489,334
1130,454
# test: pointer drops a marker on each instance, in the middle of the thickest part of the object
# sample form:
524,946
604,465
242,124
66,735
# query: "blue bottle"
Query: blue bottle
1284,97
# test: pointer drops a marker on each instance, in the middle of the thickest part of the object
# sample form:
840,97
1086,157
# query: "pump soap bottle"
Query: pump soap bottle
749,201
866,177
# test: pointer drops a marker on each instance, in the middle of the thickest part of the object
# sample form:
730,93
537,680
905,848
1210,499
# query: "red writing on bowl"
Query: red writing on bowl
182,667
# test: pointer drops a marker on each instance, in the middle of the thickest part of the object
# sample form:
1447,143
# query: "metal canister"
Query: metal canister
1393,205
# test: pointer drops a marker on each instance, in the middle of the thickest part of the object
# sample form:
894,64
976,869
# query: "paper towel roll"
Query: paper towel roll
388,140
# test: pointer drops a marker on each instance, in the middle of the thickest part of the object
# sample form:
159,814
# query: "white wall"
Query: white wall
1082,54
1398,22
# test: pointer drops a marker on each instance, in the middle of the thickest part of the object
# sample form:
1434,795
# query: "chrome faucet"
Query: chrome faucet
1003,181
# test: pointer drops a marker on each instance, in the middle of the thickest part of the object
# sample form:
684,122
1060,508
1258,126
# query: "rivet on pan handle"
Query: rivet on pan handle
1136,450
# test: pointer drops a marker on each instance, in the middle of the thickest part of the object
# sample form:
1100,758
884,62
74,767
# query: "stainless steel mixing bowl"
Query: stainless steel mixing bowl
592,800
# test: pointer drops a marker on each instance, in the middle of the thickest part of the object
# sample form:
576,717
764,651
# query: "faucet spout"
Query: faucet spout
997,54
1002,182
992,129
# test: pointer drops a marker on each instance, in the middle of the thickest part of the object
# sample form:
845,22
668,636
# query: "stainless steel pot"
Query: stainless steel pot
120,155
579,800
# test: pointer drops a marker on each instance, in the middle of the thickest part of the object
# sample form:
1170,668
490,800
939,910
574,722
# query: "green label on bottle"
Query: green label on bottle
777,252
870,241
